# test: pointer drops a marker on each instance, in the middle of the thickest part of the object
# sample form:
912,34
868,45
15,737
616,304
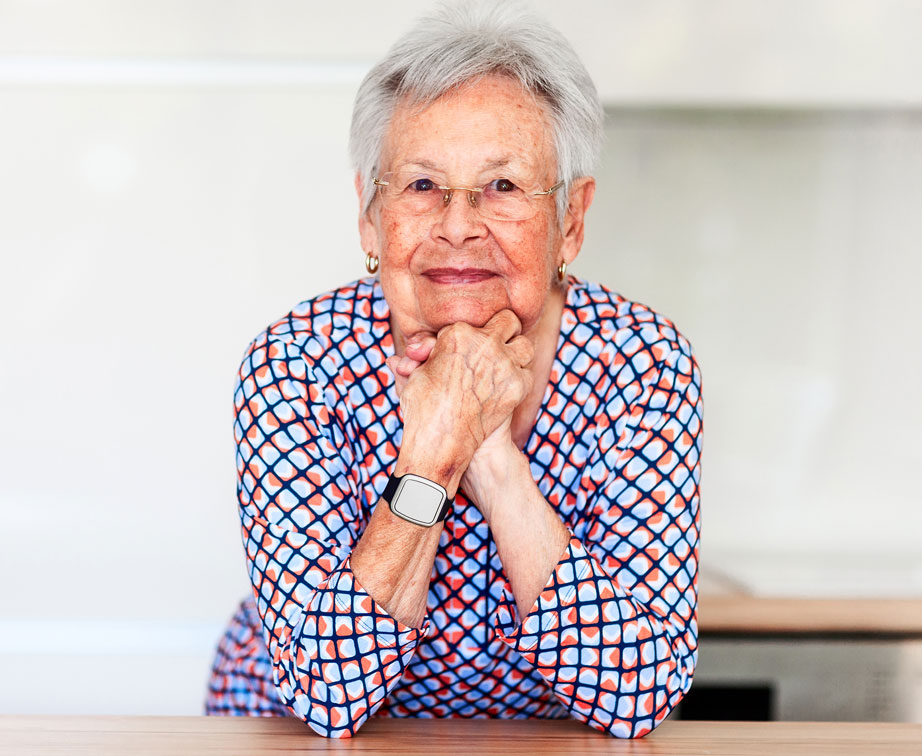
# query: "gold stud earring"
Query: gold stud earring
561,271
371,263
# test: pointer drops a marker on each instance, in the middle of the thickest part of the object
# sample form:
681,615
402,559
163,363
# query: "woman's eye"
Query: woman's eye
422,185
503,185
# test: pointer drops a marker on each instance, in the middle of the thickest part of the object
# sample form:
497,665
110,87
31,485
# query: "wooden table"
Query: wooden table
187,736
739,614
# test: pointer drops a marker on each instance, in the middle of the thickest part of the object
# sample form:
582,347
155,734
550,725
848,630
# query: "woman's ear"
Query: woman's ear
581,193
368,234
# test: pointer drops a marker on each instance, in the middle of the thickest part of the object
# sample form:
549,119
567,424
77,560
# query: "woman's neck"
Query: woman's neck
544,336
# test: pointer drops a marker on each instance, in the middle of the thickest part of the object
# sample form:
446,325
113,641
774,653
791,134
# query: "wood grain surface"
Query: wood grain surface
248,736
756,615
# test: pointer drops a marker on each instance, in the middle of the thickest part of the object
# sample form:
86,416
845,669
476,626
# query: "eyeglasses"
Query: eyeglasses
411,193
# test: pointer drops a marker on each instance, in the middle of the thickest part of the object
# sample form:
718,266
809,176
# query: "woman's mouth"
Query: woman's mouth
458,276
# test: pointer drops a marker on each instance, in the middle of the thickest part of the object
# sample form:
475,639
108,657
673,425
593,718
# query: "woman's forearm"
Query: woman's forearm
530,537
393,559
393,562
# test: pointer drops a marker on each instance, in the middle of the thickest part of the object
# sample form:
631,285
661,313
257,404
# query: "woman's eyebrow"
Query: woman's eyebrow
423,164
500,162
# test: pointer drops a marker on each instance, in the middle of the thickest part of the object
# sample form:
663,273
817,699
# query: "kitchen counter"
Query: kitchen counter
28,735
741,614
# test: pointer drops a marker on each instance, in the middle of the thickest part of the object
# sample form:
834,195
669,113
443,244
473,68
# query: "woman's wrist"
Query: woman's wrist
444,469
493,473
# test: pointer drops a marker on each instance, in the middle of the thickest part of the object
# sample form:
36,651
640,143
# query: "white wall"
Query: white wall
808,52
174,177
785,245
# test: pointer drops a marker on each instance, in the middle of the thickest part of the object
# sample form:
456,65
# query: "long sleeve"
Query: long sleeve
615,632
335,653
615,450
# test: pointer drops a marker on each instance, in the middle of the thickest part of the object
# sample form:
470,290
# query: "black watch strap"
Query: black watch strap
391,488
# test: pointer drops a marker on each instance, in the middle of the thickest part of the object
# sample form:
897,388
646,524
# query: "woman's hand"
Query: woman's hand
497,479
488,461
459,389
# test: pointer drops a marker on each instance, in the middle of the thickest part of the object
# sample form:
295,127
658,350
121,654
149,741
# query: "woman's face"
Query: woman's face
454,265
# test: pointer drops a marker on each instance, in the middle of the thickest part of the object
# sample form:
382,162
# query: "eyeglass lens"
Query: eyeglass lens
416,194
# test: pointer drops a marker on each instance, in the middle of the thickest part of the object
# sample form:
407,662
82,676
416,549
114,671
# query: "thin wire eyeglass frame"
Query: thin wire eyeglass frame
450,190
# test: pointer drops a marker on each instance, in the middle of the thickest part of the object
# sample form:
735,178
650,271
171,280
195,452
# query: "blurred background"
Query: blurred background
174,176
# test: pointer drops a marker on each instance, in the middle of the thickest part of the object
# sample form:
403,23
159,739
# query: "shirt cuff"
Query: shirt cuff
559,596
342,607
346,654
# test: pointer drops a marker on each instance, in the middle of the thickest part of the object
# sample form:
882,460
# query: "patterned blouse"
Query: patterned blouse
615,449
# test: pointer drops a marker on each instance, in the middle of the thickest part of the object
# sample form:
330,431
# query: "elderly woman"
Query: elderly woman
468,484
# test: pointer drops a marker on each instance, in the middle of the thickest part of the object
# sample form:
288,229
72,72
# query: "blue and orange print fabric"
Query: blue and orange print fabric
612,639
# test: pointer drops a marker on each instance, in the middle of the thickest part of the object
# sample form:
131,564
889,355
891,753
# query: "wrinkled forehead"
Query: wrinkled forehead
489,123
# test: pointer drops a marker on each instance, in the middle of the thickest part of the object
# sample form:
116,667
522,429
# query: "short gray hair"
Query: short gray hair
462,42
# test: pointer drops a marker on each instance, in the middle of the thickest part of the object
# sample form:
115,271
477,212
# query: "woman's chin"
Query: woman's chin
461,309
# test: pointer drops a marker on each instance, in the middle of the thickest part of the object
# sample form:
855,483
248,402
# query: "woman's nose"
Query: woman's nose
459,219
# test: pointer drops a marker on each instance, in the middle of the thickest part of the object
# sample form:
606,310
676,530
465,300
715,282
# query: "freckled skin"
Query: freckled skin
460,134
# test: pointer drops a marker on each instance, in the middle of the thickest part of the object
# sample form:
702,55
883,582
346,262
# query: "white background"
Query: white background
173,176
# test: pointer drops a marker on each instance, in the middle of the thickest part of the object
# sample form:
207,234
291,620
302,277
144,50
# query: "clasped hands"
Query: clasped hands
458,391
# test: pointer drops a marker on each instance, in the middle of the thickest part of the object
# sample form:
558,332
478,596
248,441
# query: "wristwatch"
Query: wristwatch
417,499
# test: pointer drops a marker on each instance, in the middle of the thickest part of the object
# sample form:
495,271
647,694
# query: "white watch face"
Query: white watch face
418,500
